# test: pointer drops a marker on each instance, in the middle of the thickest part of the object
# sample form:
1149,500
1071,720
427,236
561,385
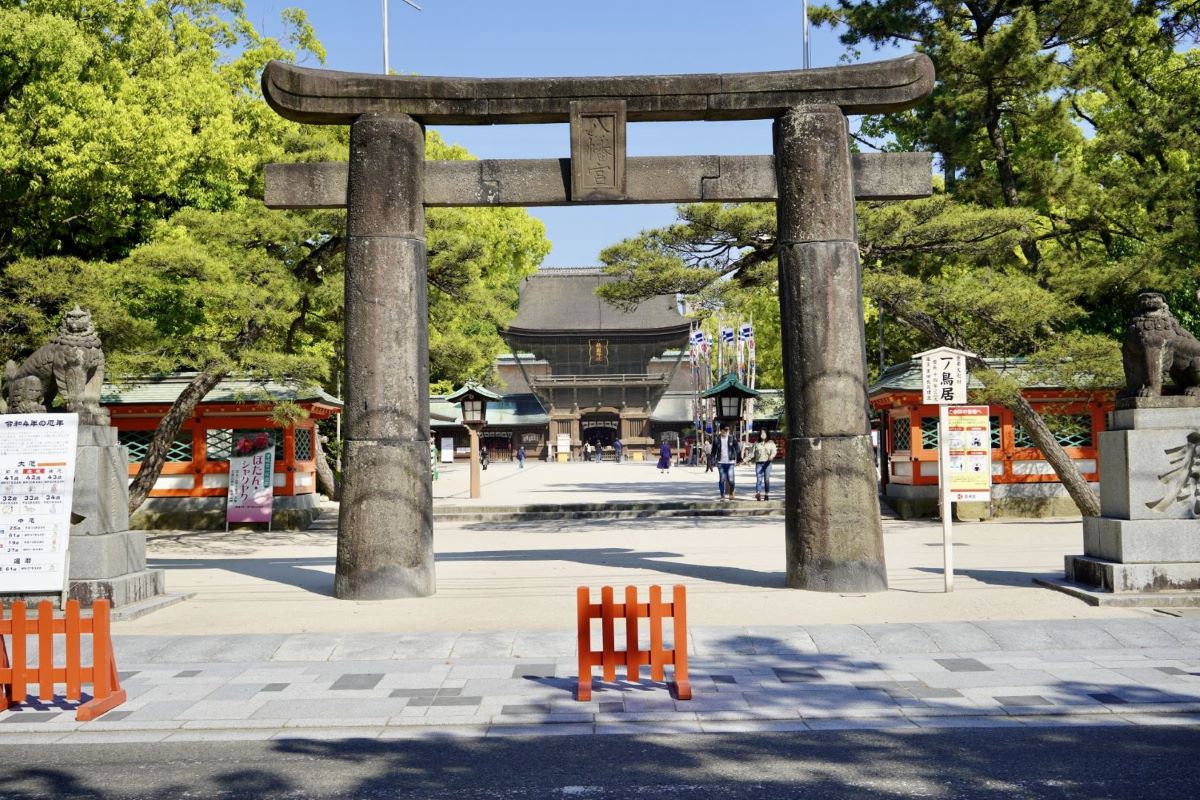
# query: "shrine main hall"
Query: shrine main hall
582,370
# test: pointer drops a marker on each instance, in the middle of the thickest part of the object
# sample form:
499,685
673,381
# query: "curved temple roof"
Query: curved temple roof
338,98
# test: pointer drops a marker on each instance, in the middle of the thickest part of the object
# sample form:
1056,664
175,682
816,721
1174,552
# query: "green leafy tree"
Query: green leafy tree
132,141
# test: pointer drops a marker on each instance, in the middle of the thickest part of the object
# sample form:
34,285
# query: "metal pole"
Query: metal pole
386,69
944,493
805,34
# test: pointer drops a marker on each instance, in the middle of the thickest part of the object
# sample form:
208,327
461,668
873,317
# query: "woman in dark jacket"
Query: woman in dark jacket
664,457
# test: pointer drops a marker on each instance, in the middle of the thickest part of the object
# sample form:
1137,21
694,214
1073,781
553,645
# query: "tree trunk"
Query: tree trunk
1004,169
1086,500
168,429
327,482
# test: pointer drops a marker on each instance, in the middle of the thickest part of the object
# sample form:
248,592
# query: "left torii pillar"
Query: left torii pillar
385,542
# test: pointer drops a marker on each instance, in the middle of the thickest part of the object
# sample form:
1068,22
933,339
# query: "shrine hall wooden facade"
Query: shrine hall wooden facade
1023,483
597,371
191,491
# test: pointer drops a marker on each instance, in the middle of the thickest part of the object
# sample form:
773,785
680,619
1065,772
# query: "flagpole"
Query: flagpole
386,68
806,34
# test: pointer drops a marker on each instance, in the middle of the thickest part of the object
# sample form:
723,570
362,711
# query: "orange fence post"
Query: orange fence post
634,657
17,683
631,634
15,677
6,676
106,685
73,632
45,633
584,601
683,688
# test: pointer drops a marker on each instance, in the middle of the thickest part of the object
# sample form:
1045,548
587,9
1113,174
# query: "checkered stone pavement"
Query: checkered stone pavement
802,678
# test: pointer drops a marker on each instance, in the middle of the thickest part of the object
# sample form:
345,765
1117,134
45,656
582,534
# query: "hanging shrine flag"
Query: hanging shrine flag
746,332
727,335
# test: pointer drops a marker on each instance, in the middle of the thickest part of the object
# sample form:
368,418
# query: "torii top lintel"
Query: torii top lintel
326,97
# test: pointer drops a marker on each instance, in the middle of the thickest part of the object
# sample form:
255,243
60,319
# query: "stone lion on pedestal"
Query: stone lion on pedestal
71,365
1155,343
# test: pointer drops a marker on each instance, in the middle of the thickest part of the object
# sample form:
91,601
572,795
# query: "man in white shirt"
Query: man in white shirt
726,453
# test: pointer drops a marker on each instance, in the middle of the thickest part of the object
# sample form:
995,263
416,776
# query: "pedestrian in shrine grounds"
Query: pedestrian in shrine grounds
587,451
763,455
664,458
521,457
617,446
726,453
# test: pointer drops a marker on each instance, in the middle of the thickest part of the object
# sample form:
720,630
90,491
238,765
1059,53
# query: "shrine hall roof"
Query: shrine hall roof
906,376
564,299
154,389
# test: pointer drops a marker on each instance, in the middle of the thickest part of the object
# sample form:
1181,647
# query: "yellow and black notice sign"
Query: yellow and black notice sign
598,351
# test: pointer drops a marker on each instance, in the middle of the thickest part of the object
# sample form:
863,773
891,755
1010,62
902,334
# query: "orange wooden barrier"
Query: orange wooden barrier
107,693
631,610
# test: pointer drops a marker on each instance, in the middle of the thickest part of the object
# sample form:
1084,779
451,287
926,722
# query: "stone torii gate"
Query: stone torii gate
385,543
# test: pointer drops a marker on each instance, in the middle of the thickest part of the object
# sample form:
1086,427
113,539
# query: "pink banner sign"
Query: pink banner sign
251,489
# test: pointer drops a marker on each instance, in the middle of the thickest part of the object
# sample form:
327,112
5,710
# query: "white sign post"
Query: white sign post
37,479
944,383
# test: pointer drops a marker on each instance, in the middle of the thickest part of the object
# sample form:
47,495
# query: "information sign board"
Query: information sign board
37,478
970,466
251,487
944,376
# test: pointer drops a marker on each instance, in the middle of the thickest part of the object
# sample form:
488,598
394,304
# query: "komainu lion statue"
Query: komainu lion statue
1155,343
71,365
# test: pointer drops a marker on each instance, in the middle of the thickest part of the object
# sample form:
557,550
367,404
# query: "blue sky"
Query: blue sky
490,38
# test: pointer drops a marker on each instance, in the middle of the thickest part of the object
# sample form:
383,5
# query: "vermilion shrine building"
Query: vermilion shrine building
1023,483
191,491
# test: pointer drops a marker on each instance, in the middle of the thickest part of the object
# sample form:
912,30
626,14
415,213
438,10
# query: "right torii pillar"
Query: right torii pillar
834,533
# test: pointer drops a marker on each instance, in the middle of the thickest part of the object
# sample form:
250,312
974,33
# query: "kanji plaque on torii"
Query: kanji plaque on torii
385,542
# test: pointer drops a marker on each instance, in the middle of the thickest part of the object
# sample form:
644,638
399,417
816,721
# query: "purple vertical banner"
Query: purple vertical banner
251,487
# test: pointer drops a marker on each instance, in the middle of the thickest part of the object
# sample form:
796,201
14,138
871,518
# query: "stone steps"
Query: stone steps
635,510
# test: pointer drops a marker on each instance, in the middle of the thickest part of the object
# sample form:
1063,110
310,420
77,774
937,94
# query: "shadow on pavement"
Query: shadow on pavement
624,558
996,577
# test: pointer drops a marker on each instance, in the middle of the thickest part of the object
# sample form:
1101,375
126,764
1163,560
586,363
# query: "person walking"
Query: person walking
483,457
521,457
617,446
434,458
587,451
726,453
599,450
664,458
763,454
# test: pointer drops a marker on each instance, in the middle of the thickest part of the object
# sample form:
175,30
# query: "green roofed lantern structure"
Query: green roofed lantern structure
473,399
731,395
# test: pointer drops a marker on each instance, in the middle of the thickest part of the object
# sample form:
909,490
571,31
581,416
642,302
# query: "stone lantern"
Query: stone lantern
730,395
473,400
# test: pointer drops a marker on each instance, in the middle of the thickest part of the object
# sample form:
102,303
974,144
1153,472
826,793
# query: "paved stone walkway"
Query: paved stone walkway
794,678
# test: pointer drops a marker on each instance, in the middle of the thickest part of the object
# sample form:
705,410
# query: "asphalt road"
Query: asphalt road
1057,762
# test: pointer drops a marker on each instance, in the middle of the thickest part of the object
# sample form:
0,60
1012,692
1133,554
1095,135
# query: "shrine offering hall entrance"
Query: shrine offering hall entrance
602,429
832,526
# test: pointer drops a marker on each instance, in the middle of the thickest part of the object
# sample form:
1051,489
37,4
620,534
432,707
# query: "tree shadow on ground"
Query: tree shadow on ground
1000,756
625,558
312,573
997,577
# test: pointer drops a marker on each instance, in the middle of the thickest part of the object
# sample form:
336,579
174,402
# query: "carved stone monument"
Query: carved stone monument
107,560
1144,548
385,540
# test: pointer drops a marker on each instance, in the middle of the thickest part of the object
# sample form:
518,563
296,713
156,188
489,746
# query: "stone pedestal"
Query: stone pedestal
107,560
1144,550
